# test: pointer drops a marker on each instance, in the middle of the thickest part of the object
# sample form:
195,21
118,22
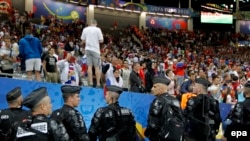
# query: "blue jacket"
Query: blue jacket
30,47
185,86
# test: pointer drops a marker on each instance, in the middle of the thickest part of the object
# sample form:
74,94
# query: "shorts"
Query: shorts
93,58
33,64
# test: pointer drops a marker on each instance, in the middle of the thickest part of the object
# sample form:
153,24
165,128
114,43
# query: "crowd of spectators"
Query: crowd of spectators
136,55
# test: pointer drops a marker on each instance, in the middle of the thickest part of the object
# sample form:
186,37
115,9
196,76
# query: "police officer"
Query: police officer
239,117
71,118
39,127
155,130
203,114
113,122
13,115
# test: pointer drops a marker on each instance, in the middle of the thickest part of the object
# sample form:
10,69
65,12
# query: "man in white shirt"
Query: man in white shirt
92,37
215,88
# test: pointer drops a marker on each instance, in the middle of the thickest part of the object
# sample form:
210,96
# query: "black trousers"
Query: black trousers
11,71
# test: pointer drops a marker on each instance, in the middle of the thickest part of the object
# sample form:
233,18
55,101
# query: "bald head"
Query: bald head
93,22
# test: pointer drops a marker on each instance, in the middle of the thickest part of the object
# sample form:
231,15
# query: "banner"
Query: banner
5,6
62,10
166,22
146,8
245,27
91,99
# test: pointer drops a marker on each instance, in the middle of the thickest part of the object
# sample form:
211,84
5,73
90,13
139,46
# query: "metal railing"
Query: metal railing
15,75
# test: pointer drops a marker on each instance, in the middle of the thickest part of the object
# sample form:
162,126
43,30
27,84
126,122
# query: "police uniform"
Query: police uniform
239,117
113,122
10,117
156,116
40,127
71,118
203,116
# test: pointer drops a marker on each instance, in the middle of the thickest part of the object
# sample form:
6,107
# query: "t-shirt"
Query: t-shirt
50,63
92,36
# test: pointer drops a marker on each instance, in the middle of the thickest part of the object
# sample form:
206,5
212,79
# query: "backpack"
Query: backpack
173,121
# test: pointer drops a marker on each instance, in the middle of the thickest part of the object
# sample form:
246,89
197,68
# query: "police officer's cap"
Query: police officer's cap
34,97
13,94
115,89
203,82
247,84
162,80
68,89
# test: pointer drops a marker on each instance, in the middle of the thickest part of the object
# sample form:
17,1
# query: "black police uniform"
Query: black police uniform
39,127
240,116
204,119
155,118
73,122
246,111
11,117
113,122
203,116
240,119
157,114
71,118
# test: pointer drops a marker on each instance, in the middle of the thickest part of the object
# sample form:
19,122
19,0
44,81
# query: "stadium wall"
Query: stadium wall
91,99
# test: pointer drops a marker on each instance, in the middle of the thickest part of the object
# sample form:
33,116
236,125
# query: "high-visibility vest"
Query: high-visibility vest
184,99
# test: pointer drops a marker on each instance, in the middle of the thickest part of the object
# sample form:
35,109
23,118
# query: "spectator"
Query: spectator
15,46
240,90
142,71
202,74
92,37
180,71
125,72
149,75
171,86
108,68
185,87
215,88
115,79
50,67
8,57
248,76
227,97
70,46
30,49
136,84
70,70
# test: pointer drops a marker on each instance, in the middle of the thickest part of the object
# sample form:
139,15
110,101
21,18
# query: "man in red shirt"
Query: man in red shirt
180,72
